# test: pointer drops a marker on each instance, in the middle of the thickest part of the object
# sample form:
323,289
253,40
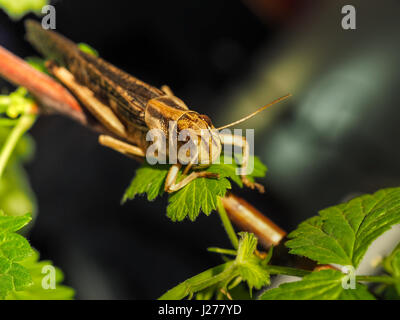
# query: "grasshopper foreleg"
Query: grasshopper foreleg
241,142
167,90
171,185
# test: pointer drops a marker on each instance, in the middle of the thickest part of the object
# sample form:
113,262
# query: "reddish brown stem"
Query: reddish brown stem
248,218
50,94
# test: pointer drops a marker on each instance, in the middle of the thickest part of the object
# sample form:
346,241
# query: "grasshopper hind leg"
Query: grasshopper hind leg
121,146
100,111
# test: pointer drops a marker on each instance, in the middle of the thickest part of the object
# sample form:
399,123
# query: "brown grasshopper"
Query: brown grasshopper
128,108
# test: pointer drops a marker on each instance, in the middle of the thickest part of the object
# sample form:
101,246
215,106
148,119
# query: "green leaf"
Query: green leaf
12,224
246,267
247,246
392,262
20,272
36,291
148,180
199,195
228,170
249,265
16,103
13,248
341,234
6,284
319,285
392,265
18,8
260,169
21,276
200,282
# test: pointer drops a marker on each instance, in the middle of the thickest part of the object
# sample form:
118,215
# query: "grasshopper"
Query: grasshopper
128,108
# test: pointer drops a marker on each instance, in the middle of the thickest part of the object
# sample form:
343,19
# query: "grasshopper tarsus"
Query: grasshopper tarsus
253,185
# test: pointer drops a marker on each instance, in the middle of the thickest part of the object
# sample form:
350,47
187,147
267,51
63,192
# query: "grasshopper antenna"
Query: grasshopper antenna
255,112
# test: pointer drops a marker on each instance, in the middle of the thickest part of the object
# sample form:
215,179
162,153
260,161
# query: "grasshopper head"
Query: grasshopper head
202,143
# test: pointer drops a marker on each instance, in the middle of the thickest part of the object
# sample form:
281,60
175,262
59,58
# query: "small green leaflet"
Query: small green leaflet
249,265
18,8
15,104
148,180
246,267
88,49
341,234
319,285
36,291
200,282
37,63
20,272
199,195
392,262
228,169
13,249
392,265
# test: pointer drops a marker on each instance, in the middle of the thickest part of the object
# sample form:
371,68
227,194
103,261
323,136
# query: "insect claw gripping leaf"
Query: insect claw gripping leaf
199,195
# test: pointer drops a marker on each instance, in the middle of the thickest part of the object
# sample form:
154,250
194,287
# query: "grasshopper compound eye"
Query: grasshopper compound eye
206,119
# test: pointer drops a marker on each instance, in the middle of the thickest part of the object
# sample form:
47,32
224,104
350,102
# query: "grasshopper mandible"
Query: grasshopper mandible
128,108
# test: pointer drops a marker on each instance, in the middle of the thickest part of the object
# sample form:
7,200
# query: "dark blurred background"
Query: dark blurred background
336,137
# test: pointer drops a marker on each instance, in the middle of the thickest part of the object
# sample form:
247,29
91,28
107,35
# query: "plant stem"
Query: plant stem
222,251
381,279
227,224
24,123
287,271
301,273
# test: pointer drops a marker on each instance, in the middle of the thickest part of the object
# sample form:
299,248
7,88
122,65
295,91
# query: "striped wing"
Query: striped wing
127,95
